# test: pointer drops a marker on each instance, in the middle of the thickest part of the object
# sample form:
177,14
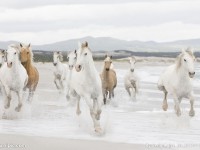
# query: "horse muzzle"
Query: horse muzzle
107,69
54,64
191,74
71,67
78,68
9,64
132,70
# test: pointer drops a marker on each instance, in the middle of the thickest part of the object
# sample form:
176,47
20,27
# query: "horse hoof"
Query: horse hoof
17,109
78,112
192,113
68,98
165,107
98,130
178,113
4,116
7,106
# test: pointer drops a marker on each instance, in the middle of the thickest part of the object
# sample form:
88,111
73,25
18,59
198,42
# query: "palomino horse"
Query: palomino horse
2,57
26,56
109,79
177,80
13,77
60,71
131,81
86,83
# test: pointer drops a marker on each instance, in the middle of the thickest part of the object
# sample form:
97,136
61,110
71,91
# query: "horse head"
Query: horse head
132,62
72,56
84,56
57,57
186,60
12,55
107,62
25,53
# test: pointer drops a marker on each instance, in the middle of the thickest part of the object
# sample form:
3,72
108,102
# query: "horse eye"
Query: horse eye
27,52
185,60
85,54
15,53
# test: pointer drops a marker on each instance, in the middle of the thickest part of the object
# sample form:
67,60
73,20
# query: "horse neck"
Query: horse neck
90,70
16,65
182,73
27,65
105,73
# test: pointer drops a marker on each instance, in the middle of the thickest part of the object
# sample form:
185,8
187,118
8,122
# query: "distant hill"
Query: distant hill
110,44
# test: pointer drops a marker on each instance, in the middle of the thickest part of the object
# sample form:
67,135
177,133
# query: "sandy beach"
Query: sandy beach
50,122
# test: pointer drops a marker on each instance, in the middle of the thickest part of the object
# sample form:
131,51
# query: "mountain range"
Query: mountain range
110,44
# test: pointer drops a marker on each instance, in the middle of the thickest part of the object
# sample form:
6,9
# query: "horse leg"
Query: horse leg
165,105
128,90
191,112
104,96
6,91
93,113
177,105
78,111
30,95
20,95
55,81
98,104
110,92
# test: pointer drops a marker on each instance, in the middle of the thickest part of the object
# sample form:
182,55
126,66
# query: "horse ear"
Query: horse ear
183,51
86,44
75,51
111,57
29,45
190,50
21,45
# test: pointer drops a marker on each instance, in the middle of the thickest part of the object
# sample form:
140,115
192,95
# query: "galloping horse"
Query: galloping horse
131,81
177,80
109,79
60,71
13,77
86,83
26,56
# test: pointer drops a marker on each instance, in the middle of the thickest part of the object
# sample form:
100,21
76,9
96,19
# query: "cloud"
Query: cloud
137,20
162,32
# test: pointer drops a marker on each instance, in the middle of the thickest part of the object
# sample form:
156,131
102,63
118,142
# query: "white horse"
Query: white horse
72,57
13,77
131,81
2,57
177,80
60,71
86,83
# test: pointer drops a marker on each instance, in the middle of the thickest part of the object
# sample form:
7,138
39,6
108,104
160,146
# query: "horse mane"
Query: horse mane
60,56
178,60
84,46
15,46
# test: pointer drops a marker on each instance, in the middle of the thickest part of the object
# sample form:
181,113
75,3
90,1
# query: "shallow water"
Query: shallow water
142,121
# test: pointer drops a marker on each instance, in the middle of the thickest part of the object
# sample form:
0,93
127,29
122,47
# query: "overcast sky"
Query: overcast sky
47,21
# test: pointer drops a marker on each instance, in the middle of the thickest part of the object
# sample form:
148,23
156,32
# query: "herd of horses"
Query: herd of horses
79,78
